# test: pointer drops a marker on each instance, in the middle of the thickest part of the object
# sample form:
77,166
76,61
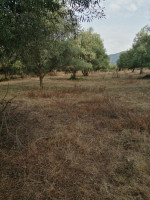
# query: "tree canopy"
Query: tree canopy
92,50
139,55
34,31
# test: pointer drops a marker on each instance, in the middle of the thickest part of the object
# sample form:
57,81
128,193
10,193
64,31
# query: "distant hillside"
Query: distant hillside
114,57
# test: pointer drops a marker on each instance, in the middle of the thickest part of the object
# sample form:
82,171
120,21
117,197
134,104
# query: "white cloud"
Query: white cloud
128,5
119,39
132,7
114,7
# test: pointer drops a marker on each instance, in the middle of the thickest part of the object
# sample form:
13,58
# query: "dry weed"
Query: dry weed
76,148
61,93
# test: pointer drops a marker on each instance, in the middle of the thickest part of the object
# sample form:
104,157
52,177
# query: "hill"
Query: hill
114,57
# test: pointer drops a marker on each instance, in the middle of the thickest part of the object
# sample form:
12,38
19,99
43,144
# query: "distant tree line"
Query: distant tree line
139,55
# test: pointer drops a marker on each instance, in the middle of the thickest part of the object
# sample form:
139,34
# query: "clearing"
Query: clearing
76,140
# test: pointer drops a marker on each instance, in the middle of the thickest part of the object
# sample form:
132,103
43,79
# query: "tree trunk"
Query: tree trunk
141,70
7,75
133,70
41,81
73,76
85,72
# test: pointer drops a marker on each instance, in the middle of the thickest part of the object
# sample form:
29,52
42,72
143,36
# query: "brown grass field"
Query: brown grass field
76,140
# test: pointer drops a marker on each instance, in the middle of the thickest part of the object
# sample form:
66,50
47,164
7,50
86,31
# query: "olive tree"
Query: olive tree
92,51
139,55
71,59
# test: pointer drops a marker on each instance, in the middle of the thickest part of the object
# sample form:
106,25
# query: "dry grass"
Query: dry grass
61,93
77,140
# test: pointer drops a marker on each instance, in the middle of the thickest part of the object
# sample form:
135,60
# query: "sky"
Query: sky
123,20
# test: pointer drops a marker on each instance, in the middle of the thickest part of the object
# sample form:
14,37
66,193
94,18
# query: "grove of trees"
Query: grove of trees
38,36
139,55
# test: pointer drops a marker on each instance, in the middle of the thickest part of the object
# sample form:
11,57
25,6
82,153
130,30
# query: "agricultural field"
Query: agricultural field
87,139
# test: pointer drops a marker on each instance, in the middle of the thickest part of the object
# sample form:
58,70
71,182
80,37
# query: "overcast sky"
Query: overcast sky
124,19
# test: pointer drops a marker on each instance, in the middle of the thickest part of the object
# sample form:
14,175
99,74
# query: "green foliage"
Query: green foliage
42,54
31,30
18,68
141,49
83,53
92,51
112,67
123,60
70,57
20,18
139,55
